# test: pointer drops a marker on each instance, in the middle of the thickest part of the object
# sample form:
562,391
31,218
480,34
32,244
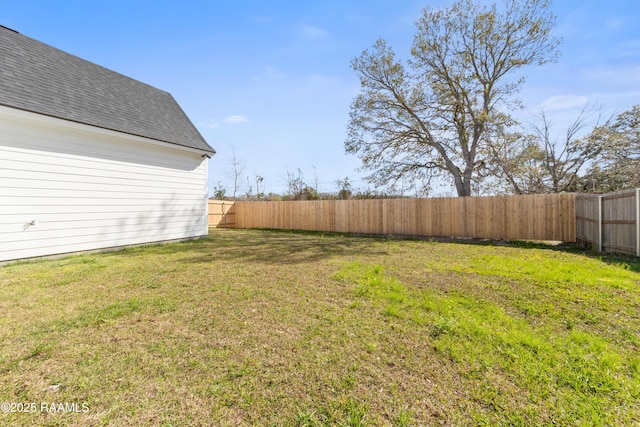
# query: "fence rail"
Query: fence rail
609,222
535,217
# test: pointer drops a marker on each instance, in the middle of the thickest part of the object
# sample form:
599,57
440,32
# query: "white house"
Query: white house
91,159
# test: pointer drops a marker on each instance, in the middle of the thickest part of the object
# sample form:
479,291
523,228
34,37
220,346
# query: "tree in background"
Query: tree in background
563,159
345,189
605,159
236,169
619,165
435,116
514,165
219,192
298,189
259,182
542,162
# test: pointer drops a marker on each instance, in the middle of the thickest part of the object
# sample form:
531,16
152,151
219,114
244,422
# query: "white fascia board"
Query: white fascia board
81,127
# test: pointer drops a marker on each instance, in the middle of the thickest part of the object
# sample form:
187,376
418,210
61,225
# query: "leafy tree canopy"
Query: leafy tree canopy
435,114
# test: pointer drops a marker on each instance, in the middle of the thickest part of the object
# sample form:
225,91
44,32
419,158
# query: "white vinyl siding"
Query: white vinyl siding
87,188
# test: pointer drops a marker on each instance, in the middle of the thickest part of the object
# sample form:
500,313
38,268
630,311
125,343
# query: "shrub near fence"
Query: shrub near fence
534,217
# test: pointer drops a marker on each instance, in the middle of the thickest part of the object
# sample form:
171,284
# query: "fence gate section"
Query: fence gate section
609,222
222,214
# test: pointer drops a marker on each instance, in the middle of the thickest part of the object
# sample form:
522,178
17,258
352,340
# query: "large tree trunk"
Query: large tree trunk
463,183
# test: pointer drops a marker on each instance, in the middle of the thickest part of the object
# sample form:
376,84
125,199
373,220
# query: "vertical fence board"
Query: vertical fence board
619,222
588,220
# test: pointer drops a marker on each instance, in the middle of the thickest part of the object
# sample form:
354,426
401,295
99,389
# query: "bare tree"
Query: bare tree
605,159
295,184
544,161
315,180
236,169
436,116
514,163
618,166
564,158
259,181
249,192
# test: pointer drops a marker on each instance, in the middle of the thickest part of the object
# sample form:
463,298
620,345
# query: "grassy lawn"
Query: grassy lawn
301,329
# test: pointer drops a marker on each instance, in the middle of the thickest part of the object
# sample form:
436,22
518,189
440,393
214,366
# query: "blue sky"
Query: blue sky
272,79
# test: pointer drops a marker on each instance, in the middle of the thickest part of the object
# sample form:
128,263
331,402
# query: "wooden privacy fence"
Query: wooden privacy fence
535,217
609,222
221,214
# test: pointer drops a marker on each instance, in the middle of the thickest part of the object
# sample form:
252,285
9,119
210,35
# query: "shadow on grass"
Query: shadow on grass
282,246
627,262
272,246
296,246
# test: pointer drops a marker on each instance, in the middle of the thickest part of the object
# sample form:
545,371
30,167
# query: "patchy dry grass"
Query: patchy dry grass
294,329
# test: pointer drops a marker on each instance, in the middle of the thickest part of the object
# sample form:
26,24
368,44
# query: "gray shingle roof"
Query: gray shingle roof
45,80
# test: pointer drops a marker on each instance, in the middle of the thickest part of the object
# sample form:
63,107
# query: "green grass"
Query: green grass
309,329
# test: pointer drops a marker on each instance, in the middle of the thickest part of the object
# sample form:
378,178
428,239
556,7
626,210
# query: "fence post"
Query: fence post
600,228
638,222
